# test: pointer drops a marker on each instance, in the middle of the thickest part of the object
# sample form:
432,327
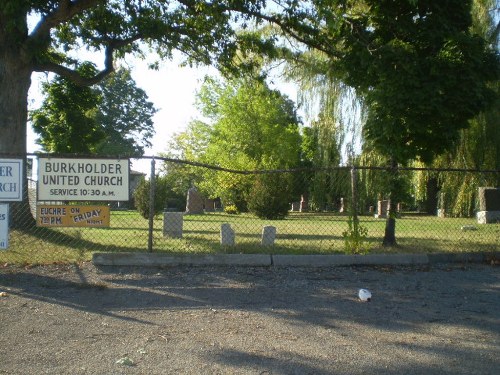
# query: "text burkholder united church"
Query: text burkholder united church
83,179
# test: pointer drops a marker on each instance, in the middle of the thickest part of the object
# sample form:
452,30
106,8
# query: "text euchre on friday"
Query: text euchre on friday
83,179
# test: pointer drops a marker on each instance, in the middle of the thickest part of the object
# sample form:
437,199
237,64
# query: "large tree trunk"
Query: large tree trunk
15,80
390,231
431,200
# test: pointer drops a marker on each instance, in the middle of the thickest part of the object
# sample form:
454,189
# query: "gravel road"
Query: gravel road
79,319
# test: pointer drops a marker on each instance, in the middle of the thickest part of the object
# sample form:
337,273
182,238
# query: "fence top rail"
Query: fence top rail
250,172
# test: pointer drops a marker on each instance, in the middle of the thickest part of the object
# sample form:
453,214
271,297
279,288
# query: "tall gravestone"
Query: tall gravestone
194,202
304,204
382,209
489,205
342,206
441,211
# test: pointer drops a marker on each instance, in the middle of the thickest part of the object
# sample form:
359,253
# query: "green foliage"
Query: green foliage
355,237
251,127
251,124
165,197
422,73
66,121
112,118
270,196
321,150
420,70
125,115
231,209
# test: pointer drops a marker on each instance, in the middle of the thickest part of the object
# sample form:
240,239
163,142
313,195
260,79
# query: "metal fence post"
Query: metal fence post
354,193
152,180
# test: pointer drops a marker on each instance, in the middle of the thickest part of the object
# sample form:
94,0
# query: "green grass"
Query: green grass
300,233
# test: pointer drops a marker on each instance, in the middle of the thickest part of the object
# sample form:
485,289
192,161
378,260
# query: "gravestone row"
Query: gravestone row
489,205
173,223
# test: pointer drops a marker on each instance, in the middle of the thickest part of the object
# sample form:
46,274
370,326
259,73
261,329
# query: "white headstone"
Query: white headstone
227,236
172,224
268,235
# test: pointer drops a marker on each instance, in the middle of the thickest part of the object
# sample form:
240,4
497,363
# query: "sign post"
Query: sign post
4,226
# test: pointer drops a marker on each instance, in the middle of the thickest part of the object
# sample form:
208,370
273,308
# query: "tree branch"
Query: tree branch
313,41
77,78
64,12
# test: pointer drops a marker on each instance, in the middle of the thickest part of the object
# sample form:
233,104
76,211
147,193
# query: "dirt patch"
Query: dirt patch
235,320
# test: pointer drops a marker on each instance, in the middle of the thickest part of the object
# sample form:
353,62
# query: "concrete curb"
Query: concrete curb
265,260
349,260
158,259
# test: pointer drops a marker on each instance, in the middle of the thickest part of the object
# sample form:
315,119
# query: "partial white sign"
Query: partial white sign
83,179
4,226
11,180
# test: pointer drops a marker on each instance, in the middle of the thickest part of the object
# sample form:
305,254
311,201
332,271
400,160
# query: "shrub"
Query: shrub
231,209
269,197
164,197
355,237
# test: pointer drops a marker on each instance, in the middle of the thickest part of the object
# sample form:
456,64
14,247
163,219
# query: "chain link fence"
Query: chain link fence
178,207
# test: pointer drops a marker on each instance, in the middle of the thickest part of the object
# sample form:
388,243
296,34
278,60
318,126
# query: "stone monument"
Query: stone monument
382,209
172,224
304,204
489,205
194,202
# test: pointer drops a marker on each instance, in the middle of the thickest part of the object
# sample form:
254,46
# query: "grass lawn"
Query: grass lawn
299,233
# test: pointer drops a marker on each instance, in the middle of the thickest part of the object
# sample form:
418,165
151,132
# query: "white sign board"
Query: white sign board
4,226
11,180
83,179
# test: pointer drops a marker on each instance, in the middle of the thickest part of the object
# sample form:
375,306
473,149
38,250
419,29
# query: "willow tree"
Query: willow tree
478,146
333,111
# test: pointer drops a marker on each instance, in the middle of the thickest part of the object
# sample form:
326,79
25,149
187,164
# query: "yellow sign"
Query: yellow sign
72,216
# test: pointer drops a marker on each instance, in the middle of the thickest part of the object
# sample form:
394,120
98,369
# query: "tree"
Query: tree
203,31
66,122
111,118
479,145
125,116
248,126
165,197
254,127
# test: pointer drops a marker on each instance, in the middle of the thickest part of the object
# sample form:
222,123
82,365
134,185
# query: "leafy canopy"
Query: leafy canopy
420,70
66,121
248,126
203,31
111,118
